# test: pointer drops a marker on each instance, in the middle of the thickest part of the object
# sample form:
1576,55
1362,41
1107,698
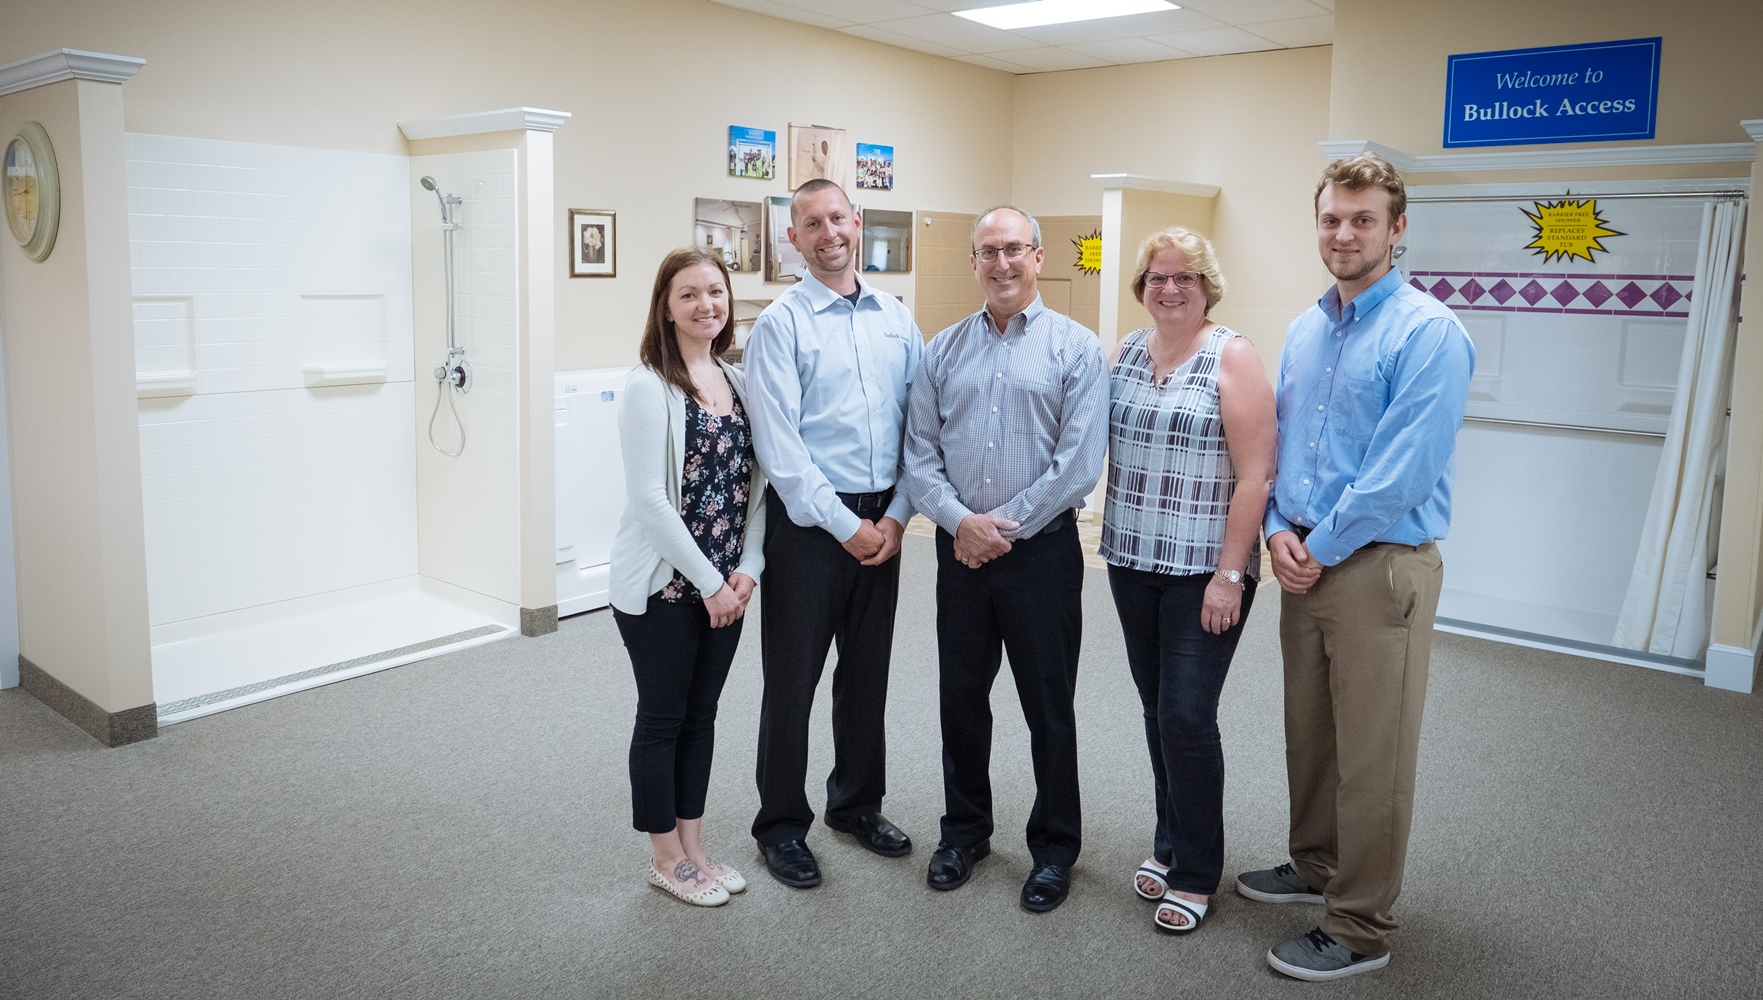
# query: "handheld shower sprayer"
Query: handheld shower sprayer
456,372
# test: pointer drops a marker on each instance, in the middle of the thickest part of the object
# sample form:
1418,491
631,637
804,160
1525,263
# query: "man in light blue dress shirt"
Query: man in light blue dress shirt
1006,435
1373,383
829,365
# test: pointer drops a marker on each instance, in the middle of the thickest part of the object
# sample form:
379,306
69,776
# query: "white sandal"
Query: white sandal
1196,912
715,895
1155,874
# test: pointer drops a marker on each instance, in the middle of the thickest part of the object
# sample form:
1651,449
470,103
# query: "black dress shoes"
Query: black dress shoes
951,866
792,863
1046,888
875,833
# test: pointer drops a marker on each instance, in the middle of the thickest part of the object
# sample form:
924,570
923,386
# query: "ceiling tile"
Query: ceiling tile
1324,3
1298,31
1251,11
1134,26
951,5
861,11
1128,50
992,62
1216,41
875,34
957,32
1049,59
787,13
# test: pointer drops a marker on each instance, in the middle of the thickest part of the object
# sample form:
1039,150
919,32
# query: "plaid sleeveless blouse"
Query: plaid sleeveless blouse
1170,477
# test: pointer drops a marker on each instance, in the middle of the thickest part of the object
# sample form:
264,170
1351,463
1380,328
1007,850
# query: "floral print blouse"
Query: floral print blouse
716,484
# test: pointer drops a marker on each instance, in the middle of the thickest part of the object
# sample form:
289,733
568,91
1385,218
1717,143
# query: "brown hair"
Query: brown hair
659,350
1202,259
1362,173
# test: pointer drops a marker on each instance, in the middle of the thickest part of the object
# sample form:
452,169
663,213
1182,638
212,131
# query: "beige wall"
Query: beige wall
1081,294
70,394
1247,123
653,87
1389,68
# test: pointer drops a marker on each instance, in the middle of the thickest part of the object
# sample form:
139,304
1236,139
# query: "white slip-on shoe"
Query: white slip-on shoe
715,895
733,881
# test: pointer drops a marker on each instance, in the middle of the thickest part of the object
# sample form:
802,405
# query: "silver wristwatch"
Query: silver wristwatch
1229,576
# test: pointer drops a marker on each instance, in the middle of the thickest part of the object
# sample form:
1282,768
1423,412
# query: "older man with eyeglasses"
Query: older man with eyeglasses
1005,433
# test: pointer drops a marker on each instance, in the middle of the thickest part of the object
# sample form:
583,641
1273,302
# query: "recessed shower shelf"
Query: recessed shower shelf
150,385
346,373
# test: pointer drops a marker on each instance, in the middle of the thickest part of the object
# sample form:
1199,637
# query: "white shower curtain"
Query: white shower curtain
1666,609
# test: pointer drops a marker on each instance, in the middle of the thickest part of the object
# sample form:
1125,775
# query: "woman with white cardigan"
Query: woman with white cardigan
688,550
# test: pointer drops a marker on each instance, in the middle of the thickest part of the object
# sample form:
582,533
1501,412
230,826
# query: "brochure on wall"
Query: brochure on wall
752,152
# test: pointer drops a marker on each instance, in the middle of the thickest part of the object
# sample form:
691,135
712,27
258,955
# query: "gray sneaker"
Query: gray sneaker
1318,958
1277,885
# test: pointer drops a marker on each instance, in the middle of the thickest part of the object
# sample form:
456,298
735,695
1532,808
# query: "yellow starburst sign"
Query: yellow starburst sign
1568,229
1089,253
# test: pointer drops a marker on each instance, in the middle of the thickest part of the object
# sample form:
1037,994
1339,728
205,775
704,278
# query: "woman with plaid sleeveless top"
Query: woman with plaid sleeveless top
1191,435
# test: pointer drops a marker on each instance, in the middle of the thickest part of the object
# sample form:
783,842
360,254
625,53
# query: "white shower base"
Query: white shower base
221,662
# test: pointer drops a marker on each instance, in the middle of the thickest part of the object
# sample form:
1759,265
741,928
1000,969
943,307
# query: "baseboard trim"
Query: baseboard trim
1731,668
538,621
113,729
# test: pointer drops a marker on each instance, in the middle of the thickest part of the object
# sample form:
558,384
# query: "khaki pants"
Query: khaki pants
1356,649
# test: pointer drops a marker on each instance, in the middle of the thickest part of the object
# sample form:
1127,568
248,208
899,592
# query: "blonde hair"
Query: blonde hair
1362,173
1202,259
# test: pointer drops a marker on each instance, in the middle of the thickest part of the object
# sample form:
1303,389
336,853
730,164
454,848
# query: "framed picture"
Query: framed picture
752,152
875,167
783,262
818,151
733,229
593,243
887,240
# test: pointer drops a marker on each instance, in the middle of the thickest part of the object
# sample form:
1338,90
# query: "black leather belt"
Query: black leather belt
1060,520
865,503
1303,534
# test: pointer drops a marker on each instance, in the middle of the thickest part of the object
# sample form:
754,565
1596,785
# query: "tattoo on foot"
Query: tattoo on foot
687,872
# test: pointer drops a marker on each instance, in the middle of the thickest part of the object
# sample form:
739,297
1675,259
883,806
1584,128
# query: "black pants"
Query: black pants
1179,668
681,664
1029,603
816,596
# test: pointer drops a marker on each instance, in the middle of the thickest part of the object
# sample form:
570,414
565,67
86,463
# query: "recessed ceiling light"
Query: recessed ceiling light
1039,12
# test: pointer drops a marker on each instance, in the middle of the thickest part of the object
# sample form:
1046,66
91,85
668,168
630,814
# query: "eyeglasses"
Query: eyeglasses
1184,280
1014,251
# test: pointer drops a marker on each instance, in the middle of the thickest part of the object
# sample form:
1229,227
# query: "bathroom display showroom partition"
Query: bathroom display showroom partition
294,537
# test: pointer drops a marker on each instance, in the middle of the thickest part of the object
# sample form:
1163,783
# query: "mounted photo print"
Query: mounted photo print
752,152
817,151
783,262
593,246
875,167
732,229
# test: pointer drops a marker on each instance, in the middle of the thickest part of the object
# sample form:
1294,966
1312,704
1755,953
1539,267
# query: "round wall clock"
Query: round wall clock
31,187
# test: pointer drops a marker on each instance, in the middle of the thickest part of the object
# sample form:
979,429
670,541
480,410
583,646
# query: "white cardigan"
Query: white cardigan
652,537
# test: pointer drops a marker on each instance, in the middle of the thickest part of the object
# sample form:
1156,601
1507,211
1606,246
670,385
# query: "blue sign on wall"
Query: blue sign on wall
1567,93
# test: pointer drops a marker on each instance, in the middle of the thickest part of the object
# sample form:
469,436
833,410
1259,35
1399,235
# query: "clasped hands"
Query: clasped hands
1293,565
875,543
979,539
729,603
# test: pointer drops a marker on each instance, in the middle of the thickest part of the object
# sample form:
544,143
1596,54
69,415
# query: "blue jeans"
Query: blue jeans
1179,668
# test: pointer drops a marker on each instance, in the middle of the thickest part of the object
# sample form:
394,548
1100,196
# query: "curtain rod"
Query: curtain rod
1720,195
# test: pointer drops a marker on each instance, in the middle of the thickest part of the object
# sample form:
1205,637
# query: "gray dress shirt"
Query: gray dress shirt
1012,423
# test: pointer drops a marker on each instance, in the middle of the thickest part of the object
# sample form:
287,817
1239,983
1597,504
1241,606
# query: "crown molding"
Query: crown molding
57,65
1605,156
1754,128
531,119
1137,182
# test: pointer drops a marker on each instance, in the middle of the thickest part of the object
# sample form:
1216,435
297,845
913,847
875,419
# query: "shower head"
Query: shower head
428,182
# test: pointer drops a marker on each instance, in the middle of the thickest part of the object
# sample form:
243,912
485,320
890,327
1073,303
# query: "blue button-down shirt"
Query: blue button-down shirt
1370,399
1012,423
827,383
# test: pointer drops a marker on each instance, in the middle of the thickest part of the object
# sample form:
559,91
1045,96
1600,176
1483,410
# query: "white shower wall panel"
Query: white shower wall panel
252,264
470,505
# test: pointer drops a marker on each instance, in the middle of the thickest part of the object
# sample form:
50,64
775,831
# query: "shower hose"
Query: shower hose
445,386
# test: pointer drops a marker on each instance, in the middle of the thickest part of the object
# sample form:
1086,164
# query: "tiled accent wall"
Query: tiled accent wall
469,505
252,264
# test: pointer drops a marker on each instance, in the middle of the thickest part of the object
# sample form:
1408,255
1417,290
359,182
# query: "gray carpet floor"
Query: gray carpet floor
459,827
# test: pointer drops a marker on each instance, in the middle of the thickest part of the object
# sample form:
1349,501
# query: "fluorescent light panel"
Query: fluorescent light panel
1040,12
